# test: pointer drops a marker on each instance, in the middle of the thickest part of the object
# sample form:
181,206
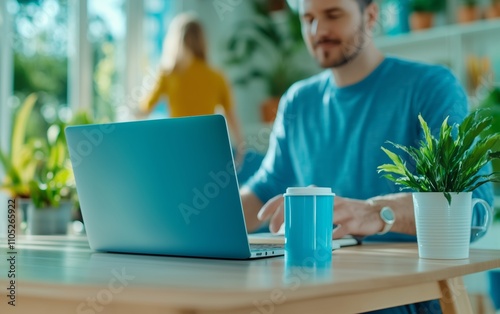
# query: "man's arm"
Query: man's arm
359,217
355,217
251,207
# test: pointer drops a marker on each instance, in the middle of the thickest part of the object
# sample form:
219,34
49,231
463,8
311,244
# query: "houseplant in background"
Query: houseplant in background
493,10
423,11
444,175
52,188
39,174
264,49
20,160
491,102
468,11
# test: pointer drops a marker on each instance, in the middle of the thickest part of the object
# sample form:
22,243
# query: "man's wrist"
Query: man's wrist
385,215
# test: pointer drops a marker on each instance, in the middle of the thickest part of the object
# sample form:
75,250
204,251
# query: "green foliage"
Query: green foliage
470,3
491,104
39,44
41,73
38,166
447,164
261,36
427,5
20,161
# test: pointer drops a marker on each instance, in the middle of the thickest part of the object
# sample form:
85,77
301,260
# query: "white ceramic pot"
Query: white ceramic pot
443,230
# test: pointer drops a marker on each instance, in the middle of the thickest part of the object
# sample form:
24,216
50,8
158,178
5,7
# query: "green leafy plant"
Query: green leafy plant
470,3
491,102
38,167
427,5
490,106
21,159
53,181
259,49
448,163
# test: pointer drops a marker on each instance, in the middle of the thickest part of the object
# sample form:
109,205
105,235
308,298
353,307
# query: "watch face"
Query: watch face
387,214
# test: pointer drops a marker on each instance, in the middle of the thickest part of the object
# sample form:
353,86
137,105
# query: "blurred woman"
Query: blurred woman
191,85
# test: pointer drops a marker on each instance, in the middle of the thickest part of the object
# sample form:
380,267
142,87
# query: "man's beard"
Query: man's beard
349,51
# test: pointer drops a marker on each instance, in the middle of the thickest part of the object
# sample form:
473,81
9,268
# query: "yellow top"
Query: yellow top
197,90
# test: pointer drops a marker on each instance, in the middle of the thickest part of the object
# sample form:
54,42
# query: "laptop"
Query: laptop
162,187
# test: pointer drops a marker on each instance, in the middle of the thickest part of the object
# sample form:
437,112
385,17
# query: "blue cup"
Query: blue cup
308,225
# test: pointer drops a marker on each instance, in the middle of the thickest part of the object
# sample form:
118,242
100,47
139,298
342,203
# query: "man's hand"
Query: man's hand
357,217
354,217
273,209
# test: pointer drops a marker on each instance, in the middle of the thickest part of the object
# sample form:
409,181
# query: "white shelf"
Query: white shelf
437,33
450,45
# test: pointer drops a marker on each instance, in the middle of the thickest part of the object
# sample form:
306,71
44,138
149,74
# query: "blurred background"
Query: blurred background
102,56
95,60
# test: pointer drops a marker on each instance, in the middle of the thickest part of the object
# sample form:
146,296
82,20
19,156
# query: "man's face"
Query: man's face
334,30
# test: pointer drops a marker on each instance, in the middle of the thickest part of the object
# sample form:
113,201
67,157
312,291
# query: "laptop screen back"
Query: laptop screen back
159,187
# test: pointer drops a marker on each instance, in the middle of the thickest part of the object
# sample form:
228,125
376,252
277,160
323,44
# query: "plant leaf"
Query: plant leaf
20,126
448,197
427,131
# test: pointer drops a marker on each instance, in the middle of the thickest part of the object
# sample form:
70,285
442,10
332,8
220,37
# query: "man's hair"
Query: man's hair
363,4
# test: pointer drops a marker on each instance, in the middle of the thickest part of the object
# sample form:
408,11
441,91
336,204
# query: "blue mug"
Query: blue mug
308,225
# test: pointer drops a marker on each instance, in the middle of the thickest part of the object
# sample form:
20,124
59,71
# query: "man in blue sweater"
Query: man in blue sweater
330,127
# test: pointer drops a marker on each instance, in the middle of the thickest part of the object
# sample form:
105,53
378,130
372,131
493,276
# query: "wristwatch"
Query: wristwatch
388,217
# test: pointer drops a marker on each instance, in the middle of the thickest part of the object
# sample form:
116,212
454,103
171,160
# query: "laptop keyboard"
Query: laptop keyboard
266,247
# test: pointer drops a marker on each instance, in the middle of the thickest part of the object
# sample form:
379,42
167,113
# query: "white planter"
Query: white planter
443,230
49,221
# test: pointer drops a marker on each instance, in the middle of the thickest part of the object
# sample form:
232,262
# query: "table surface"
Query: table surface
64,268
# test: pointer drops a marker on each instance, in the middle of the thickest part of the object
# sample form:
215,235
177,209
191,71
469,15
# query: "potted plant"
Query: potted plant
19,162
422,16
493,10
52,188
39,174
446,171
261,50
468,11
491,104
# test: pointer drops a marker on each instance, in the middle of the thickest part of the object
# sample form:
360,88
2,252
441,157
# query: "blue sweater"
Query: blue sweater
332,136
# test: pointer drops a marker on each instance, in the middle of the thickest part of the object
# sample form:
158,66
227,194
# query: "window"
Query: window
109,64
39,47
107,31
